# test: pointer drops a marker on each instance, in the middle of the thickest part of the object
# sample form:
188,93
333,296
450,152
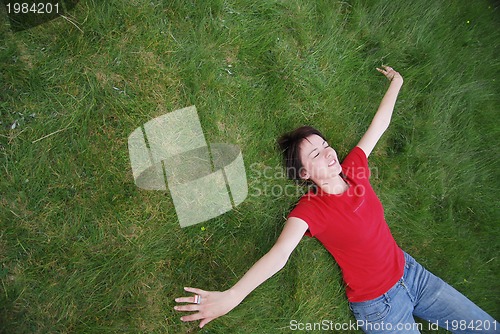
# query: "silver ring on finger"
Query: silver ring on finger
197,299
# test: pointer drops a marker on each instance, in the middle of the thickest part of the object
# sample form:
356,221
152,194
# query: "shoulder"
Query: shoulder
356,155
355,164
311,210
306,205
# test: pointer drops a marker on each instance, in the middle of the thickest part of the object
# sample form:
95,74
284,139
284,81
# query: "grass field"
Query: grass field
83,250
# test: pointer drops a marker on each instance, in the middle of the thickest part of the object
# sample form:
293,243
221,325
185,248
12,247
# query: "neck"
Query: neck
335,186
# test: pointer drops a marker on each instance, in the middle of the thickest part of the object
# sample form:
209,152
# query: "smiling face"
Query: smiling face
319,160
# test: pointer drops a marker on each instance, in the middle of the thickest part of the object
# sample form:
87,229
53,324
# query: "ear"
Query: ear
304,174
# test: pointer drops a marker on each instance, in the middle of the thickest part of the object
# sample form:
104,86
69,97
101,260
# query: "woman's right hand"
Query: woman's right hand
212,305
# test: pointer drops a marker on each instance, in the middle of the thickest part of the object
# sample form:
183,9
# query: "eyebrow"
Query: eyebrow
324,141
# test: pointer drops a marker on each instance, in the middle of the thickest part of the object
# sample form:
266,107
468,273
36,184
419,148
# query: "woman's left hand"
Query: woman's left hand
390,74
208,305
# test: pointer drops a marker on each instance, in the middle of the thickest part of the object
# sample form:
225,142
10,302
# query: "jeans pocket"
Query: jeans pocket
374,312
409,261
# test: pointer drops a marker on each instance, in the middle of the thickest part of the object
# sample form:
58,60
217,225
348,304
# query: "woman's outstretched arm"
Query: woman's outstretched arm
215,304
382,118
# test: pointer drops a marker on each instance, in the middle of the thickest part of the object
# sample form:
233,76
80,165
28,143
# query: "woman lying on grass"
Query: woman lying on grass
385,286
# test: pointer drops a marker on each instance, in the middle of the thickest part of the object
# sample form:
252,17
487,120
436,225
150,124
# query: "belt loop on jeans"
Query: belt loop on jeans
387,297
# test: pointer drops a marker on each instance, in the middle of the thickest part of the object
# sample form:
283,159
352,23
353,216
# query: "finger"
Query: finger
191,300
187,308
381,70
195,290
205,321
192,317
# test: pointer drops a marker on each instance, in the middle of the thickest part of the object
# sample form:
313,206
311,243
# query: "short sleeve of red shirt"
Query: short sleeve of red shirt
353,229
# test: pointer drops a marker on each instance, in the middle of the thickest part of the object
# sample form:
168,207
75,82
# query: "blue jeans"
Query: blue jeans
420,293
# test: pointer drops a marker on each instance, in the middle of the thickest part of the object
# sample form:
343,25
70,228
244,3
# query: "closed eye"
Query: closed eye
317,154
324,147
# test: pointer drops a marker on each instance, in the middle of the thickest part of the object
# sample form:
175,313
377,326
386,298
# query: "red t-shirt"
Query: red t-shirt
353,229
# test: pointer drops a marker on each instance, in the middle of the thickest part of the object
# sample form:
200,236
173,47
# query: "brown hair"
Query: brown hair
289,146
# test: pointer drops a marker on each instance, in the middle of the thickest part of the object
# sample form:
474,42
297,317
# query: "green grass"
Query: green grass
83,250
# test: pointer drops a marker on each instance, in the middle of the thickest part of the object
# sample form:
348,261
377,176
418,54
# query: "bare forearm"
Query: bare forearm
384,113
263,269
210,305
382,117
